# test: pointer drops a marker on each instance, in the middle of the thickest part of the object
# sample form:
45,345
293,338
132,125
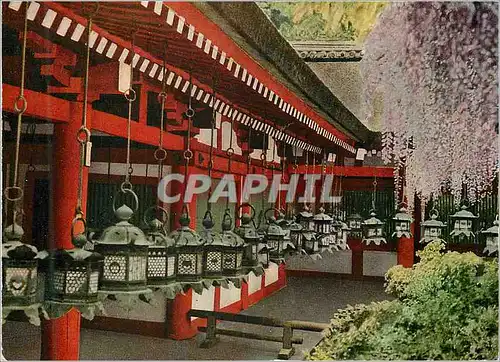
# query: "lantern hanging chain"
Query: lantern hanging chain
213,124
323,171
306,174
230,153
32,132
374,193
160,153
188,154
20,105
249,158
314,173
131,96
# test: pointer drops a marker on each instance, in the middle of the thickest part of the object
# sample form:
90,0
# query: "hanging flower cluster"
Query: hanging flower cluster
434,65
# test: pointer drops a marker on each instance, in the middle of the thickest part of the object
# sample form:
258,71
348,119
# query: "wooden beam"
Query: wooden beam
346,171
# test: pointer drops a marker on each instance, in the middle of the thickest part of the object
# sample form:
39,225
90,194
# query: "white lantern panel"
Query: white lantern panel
114,267
171,266
76,281
157,266
187,264
214,261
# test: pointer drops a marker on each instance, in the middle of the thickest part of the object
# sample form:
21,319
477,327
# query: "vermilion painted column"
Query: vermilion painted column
61,337
179,324
405,251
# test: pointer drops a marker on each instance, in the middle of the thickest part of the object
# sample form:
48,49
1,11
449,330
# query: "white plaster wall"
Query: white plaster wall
226,135
203,301
271,274
376,263
340,262
254,283
229,296
204,137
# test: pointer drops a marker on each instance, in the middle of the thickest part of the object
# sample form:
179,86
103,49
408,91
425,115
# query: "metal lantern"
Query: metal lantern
274,235
74,274
310,243
162,256
189,247
355,222
19,269
233,247
402,222
296,234
322,226
373,230
491,236
463,224
432,229
341,235
263,255
285,223
125,250
248,233
213,248
306,219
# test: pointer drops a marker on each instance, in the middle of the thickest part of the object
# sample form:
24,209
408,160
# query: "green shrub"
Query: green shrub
446,308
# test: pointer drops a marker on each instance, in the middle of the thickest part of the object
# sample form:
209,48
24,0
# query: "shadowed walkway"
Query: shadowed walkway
310,299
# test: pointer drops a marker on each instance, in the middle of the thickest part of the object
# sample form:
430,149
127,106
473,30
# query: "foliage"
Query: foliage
435,66
323,20
446,307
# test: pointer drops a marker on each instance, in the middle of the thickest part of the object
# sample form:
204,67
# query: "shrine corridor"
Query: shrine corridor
312,299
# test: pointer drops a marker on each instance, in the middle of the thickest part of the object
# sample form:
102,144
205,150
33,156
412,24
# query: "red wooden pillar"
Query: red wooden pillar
180,326
405,252
61,337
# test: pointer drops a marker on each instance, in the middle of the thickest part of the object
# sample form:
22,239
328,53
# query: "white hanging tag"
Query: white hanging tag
88,153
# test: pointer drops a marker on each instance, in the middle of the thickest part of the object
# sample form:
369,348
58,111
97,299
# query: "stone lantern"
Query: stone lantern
463,225
402,222
355,222
432,229
373,230
491,236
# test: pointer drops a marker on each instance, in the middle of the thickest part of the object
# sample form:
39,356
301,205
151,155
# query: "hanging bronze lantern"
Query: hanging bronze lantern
285,223
189,247
274,235
432,229
19,269
373,230
491,236
263,255
322,226
463,226
125,250
74,274
248,232
162,255
213,248
402,222
296,234
233,247
310,243
341,238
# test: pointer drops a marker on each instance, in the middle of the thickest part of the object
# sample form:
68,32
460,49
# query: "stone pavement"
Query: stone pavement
309,299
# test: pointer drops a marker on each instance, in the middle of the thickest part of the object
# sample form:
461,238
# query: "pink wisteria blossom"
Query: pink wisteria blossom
435,67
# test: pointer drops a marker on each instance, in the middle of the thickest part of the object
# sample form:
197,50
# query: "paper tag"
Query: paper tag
88,153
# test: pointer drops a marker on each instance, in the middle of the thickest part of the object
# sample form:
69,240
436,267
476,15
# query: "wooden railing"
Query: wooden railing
287,339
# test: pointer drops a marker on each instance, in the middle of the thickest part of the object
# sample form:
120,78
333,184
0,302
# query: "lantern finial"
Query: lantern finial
124,213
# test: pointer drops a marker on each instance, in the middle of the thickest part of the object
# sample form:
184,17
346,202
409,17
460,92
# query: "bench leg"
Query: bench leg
287,351
211,338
